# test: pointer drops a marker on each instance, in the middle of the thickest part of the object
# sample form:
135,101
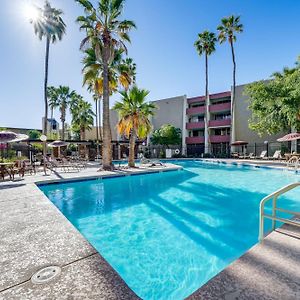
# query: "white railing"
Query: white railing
273,217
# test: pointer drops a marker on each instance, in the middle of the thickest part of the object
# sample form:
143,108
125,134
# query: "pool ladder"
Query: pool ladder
274,196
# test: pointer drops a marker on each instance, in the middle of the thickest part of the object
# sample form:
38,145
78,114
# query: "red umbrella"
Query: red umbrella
290,137
10,137
239,143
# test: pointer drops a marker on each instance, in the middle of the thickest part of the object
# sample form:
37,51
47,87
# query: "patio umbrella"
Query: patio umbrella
58,144
290,137
239,143
12,137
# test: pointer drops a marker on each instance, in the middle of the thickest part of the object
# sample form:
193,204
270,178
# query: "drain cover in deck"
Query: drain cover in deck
45,275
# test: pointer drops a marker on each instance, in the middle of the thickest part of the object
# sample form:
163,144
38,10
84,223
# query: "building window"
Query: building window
224,116
196,119
196,105
220,101
196,133
222,131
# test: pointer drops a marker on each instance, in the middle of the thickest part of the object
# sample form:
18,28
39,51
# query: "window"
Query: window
196,133
219,101
222,131
196,105
224,116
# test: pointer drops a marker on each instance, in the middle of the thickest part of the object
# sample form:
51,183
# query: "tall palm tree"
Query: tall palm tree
122,73
105,33
82,117
227,32
134,115
206,44
61,97
48,24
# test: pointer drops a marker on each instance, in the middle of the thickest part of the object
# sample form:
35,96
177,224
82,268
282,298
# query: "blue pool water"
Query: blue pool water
168,233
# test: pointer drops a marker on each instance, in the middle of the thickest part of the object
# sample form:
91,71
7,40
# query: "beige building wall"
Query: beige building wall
91,135
114,119
170,111
242,117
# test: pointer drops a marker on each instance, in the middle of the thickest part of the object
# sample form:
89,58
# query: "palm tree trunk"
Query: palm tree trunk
206,148
131,149
45,86
46,100
51,119
99,118
232,132
63,119
97,128
106,149
82,134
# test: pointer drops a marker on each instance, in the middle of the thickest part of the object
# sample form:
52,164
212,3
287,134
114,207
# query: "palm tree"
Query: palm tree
48,24
121,73
105,33
63,98
227,32
206,44
134,115
82,117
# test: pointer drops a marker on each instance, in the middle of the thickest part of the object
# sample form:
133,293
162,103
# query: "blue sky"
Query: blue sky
162,47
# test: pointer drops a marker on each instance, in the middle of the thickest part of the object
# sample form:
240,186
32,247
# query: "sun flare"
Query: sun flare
31,12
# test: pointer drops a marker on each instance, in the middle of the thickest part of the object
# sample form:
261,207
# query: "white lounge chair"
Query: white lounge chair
263,155
276,155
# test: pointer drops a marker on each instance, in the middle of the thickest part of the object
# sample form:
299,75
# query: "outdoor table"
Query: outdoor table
5,168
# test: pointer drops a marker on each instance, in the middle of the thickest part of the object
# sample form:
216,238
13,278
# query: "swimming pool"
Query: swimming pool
168,233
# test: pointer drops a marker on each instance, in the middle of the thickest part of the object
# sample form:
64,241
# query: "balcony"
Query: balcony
195,140
219,138
195,110
219,123
211,96
220,107
195,125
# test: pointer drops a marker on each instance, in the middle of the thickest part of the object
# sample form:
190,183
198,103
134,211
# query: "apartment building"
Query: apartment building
188,115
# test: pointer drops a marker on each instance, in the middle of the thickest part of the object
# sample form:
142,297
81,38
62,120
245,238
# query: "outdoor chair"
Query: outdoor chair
54,164
262,155
276,155
151,162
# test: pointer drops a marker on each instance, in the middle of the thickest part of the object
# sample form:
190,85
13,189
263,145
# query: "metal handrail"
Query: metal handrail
273,217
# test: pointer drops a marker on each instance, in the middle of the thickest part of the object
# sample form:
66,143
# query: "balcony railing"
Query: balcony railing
219,123
195,125
195,110
220,107
219,138
195,140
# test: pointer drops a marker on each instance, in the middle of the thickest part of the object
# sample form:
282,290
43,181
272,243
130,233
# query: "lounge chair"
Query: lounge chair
151,162
276,155
262,155
54,164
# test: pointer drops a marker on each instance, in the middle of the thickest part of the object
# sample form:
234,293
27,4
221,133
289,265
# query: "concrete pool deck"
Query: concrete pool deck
34,235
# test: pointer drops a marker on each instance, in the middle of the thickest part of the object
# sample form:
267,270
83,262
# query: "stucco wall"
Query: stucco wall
114,119
242,116
170,111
